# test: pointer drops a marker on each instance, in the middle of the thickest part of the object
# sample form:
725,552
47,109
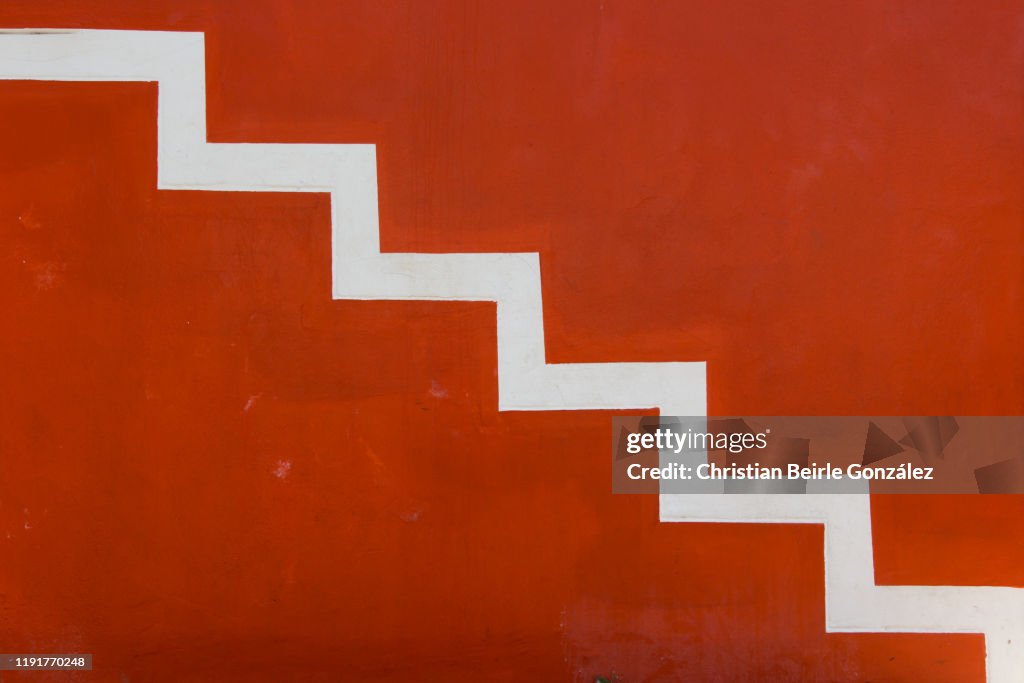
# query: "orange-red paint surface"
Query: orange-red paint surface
212,472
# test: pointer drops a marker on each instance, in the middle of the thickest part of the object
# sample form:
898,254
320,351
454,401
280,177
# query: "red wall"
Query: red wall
211,472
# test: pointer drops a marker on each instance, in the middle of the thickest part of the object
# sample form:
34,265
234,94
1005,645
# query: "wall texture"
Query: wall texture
211,471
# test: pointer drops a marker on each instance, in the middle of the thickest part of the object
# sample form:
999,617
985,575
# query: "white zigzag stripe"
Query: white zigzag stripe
525,381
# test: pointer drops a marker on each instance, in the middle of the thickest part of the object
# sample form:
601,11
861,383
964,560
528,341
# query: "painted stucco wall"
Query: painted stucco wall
213,470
